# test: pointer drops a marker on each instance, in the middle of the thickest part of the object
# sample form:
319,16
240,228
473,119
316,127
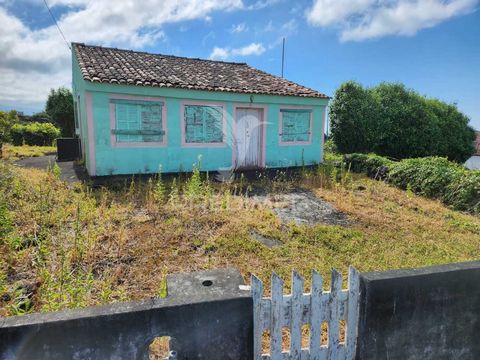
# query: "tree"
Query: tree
352,116
7,120
394,121
59,107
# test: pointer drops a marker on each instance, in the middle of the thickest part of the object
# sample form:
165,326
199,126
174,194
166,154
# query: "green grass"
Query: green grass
11,152
66,246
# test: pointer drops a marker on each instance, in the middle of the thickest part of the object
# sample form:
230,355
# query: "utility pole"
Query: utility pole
283,55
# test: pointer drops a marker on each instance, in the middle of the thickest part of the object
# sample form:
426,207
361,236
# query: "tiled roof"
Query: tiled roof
116,66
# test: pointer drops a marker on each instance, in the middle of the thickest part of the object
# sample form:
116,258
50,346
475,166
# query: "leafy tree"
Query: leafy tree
59,107
392,120
352,116
7,120
41,116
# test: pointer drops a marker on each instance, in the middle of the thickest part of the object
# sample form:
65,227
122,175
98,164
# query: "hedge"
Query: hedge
41,134
374,166
433,177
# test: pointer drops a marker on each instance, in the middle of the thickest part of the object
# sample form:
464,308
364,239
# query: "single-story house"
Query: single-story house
473,163
137,111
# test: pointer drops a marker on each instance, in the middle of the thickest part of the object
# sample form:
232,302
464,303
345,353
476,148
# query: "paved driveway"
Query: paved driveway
70,172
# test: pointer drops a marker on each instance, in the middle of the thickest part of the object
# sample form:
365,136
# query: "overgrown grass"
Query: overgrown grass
71,246
11,152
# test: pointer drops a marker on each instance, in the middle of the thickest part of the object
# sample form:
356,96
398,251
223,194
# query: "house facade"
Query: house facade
136,112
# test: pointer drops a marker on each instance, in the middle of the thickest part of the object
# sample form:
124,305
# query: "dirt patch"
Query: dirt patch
302,207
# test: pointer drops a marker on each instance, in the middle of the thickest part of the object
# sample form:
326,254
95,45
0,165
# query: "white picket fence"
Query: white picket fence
293,311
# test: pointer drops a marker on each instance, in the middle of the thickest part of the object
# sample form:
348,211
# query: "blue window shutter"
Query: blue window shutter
295,125
138,121
203,124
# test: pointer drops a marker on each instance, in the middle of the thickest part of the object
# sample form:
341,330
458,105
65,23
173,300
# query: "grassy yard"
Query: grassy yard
71,246
11,152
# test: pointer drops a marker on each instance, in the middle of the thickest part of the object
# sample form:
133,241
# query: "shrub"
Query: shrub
426,176
433,177
464,193
41,134
373,165
394,121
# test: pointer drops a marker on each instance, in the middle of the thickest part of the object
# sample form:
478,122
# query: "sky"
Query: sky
432,46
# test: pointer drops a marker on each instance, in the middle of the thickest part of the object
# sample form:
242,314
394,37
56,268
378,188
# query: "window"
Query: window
138,121
76,114
203,124
295,125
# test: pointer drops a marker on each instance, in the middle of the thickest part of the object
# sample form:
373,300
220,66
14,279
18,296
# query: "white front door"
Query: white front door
248,138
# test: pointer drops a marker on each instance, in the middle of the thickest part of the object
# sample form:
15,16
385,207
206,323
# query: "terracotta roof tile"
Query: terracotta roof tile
116,66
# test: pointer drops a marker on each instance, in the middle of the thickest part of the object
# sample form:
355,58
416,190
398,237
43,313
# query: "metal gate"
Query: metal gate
337,308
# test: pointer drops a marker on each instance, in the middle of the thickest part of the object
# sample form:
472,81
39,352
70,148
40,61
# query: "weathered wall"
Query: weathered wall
428,313
206,322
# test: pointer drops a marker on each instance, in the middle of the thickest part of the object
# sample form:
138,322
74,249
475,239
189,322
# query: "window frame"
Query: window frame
203,103
136,144
280,125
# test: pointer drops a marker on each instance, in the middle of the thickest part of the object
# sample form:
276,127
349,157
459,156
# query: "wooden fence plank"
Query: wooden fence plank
257,294
276,318
315,315
352,313
334,321
296,319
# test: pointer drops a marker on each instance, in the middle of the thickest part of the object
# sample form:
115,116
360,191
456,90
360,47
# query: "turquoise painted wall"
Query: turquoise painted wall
114,160
79,90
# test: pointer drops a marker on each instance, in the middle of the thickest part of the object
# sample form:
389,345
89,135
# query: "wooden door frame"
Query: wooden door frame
263,110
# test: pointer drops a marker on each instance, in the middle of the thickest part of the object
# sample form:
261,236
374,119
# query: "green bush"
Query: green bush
394,121
373,165
433,177
429,176
41,134
464,193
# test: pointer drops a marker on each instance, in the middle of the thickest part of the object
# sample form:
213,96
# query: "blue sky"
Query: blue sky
432,46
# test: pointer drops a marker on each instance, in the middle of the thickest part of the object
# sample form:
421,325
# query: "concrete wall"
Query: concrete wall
206,322
104,159
428,313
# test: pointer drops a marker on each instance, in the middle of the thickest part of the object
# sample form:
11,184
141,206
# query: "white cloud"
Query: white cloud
239,28
261,4
365,19
34,60
219,53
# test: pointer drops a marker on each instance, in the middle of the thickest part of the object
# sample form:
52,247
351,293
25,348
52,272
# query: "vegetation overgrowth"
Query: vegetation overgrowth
7,120
35,133
433,177
65,246
394,121
12,152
